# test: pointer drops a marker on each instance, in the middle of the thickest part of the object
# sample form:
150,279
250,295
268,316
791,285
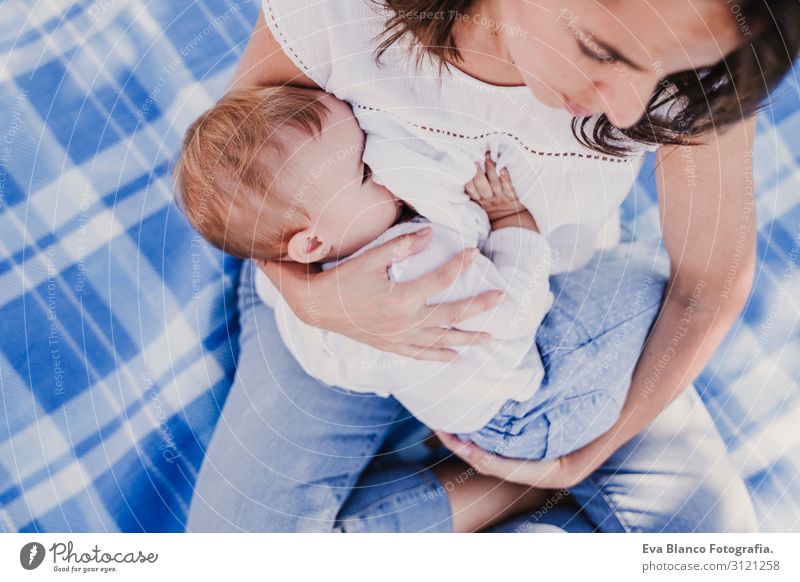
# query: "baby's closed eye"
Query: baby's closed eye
367,173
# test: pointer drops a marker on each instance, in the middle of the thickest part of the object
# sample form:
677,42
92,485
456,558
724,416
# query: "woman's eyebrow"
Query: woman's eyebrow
615,54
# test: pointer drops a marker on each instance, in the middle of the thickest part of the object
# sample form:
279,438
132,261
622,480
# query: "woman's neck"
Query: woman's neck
480,39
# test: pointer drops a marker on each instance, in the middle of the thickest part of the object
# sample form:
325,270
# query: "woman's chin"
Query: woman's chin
546,95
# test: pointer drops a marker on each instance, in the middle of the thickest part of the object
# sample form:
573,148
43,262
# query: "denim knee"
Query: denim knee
589,304
227,501
580,420
397,499
551,431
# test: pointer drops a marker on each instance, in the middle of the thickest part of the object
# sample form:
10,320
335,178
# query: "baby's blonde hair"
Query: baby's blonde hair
225,176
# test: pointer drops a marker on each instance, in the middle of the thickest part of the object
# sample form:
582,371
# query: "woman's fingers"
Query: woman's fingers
441,277
531,473
435,344
482,461
450,314
468,452
424,353
396,249
434,354
437,337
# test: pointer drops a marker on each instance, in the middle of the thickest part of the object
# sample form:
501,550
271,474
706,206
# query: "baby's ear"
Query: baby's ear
306,247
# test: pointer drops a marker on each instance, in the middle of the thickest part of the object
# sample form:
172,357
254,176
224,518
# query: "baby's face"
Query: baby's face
348,209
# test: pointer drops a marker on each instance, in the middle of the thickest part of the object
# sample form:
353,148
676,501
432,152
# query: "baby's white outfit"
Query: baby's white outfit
459,396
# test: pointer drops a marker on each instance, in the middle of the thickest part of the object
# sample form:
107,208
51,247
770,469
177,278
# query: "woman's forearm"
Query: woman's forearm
703,236
681,343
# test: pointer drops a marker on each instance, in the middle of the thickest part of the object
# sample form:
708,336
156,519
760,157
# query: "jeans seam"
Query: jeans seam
605,332
360,513
396,498
397,495
598,489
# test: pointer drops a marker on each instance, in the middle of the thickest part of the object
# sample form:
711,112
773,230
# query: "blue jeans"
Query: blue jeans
589,343
292,454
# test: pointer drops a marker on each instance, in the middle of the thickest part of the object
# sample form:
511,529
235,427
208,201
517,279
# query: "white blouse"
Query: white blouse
445,122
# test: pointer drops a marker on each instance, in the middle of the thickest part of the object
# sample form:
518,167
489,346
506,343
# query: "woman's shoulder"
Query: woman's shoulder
318,34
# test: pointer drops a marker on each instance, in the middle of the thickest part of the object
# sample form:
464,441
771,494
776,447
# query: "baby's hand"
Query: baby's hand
494,193
497,196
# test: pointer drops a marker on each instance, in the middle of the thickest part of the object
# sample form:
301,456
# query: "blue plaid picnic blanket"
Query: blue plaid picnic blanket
119,325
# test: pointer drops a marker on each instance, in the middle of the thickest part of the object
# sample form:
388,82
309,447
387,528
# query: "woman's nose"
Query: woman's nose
624,100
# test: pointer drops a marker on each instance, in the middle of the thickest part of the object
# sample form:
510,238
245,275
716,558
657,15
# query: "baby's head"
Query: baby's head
275,173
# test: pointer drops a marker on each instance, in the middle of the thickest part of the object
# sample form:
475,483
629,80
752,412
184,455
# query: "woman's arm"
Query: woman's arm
263,62
357,299
709,230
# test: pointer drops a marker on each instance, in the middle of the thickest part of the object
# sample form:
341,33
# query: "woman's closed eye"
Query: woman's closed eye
596,53
367,174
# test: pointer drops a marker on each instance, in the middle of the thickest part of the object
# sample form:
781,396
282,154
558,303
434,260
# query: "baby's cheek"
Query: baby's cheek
360,230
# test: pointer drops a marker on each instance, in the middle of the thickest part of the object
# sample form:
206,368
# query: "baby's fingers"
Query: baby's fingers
508,187
494,178
481,184
472,191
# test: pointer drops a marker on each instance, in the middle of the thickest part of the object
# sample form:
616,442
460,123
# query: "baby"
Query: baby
277,173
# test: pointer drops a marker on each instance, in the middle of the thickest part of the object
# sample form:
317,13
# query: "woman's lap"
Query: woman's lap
288,452
674,476
589,344
291,454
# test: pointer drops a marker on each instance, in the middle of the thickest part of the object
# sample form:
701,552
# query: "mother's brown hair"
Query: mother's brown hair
711,98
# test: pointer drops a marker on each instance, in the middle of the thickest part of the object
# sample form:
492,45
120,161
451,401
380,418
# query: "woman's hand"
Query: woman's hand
357,299
559,473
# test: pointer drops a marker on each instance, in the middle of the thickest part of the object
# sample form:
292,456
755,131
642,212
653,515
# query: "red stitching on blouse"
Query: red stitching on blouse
446,131
506,133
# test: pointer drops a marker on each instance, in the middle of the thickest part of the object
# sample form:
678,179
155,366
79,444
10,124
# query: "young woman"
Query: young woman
579,89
